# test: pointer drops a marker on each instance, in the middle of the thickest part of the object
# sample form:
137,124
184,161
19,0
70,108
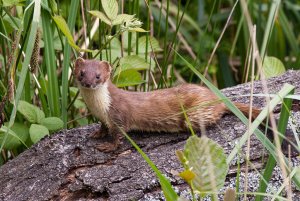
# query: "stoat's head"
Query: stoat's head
91,73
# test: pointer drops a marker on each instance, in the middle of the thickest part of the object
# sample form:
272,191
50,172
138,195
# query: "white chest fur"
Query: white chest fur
98,101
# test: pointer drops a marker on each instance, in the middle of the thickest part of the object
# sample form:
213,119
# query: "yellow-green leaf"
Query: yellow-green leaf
272,67
128,78
62,25
52,123
120,19
101,16
37,132
110,8
207,161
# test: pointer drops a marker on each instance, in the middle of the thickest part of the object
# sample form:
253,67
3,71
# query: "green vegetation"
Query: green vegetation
150,45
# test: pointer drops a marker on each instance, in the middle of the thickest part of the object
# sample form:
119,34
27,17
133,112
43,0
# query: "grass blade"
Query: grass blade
283,120
166,186
50,62
66,63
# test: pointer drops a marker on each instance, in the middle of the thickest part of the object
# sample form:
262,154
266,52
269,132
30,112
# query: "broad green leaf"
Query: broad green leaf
52,123
120,19
128,78
132,62
37,132
272,67
206,159
62,25
110,8
28,111
115,44
110,55
101,16
152,45
12,140
21,130
126,39
78,104
40,115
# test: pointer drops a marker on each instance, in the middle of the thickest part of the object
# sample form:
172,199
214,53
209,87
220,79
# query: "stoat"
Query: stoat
159,110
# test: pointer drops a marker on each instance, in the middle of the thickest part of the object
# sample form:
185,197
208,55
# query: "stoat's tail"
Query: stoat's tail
245,108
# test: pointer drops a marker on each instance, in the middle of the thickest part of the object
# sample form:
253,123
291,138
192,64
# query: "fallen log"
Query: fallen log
67,165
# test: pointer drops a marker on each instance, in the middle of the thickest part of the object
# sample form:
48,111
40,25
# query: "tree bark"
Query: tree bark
67,165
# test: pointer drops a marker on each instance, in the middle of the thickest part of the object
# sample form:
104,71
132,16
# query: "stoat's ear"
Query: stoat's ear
106,66
79,62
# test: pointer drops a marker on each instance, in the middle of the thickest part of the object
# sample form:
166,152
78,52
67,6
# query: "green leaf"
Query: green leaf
206,159
21,130
40,115
128,78
101,16
120,19
37,132
132,62
152,44
28,111
272,67
52,123
62,25
78,104
12,140
110,8
126,39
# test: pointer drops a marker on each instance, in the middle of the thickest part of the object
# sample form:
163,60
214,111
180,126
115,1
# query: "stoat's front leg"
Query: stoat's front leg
114,136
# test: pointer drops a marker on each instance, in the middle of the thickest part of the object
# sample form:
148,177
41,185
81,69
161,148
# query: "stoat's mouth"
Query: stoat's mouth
91,87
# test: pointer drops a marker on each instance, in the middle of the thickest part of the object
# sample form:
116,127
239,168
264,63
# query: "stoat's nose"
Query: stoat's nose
86,84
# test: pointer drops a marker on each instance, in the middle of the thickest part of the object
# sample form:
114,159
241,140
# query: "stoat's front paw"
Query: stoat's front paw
107,146
99,133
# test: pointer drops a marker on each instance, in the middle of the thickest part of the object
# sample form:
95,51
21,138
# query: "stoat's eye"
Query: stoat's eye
98,76
81,73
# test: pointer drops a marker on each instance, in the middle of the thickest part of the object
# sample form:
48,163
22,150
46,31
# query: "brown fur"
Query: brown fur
160,110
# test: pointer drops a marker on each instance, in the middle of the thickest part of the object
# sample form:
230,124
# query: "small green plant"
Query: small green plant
205,166
25,134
